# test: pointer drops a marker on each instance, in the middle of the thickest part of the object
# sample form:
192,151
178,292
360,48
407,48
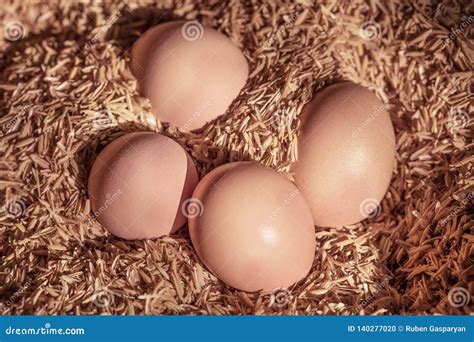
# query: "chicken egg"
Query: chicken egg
138,183
252,227
189,72
346,153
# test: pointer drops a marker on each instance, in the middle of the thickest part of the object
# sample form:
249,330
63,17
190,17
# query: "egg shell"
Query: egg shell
138,183
255,231
190,73
346,153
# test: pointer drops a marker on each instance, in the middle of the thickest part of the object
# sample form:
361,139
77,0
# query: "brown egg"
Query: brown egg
346,154
138,183
190,73
253,228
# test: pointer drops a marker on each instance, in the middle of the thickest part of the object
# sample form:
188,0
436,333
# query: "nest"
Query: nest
67,90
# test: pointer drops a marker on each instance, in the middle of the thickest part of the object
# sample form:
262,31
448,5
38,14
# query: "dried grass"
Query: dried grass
55,94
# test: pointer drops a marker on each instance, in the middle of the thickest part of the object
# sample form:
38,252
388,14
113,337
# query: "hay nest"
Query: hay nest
67,91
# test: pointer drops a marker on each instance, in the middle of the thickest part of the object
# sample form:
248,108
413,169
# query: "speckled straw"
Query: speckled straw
66,91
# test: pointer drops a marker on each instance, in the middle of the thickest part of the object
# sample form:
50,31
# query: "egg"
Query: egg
346,153
137,185
189,72
253,229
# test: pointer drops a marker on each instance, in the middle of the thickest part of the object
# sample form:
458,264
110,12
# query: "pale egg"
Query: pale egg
189,72
346,153
253,228
138,183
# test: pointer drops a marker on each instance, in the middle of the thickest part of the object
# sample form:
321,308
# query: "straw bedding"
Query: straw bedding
66,91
